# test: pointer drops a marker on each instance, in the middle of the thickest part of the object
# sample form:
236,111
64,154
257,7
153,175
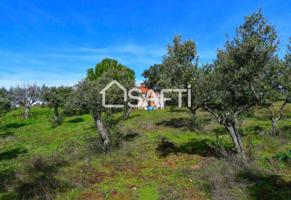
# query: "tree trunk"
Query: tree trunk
194,124
126,113
101,129
193,112
56,112
274,120
26,112
236,139
274,126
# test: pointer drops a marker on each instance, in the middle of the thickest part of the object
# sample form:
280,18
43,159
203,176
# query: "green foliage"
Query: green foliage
152,76
241,63
178,66
238,68
148,193
56,98
287,77
95,144
106,65
284,156
87,97
56,120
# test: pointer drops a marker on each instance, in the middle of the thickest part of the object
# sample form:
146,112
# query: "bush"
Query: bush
284,157
38,180
221,177
56,121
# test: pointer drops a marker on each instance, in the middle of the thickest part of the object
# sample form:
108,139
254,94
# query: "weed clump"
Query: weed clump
38,179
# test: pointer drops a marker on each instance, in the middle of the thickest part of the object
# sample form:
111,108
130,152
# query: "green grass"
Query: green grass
161,157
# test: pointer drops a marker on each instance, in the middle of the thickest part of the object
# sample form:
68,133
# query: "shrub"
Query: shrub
56,121
38,180
284,157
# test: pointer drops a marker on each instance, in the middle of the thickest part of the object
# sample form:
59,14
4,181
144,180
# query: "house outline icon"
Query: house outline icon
103,92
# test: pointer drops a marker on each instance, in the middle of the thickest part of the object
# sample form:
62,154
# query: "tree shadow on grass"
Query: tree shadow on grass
11,154
7,134
175,123
255,129
187,123
177,110
133,116
120,119
203,147
130,136
183,122
13,125
76,120
6,178
220,131
264,186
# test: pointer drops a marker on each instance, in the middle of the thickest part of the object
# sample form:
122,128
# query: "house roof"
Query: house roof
143,89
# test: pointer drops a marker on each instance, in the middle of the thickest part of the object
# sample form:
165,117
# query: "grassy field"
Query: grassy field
161,157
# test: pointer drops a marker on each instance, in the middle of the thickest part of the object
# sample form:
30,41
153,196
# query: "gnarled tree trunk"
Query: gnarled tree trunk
101,129
236,138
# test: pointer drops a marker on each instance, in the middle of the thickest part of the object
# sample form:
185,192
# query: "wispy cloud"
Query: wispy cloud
128,49
68,66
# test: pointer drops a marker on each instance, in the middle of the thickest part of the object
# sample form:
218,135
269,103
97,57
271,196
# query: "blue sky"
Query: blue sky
54,42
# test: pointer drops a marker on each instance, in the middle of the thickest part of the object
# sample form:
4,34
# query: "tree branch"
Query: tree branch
218,118
282,109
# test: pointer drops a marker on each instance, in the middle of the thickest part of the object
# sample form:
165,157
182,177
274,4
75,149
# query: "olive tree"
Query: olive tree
274,88
26,96
237,70
86,97
56,98
178,69
117,71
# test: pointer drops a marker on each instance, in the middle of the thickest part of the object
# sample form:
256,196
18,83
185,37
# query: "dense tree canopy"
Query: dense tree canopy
178,66
106,65
56,97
